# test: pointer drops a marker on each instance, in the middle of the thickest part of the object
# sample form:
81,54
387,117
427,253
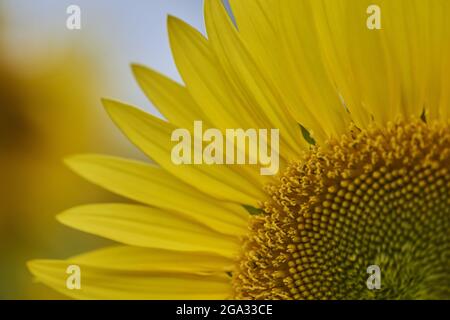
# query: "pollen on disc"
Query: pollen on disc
380,196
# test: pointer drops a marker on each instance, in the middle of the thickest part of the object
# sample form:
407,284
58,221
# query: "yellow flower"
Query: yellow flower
363,116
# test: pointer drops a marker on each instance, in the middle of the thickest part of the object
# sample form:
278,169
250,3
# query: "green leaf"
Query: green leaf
252,210
307,135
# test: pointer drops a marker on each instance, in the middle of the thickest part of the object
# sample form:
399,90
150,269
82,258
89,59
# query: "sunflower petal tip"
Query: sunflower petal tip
109,106
30,265
137,67
172,20
107,103
73,161
33,266
175,24
141,74
71,217
70,159
64,217
113,108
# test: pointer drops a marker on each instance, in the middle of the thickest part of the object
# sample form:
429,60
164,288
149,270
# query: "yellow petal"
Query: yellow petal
153,136
250,81
257,24
385,73
148,227
438,95
299,72
176,104
150,259
336,42
216,95
258,29
111,284
172,99
151,185
205,81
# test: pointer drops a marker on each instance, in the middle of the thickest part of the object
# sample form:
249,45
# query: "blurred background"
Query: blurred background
51,82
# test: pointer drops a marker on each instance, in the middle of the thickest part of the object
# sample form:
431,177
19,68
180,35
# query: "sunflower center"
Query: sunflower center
379,197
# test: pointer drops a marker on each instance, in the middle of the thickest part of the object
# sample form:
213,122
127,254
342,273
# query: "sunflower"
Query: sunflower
363,116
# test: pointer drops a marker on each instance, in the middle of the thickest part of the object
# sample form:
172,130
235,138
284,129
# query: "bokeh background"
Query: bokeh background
51,82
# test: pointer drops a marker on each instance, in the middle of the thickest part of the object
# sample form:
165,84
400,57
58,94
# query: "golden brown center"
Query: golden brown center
380,197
